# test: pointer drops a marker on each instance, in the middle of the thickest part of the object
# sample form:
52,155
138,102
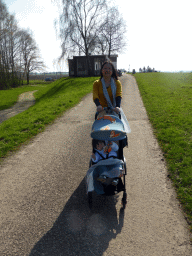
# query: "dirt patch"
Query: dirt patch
25,101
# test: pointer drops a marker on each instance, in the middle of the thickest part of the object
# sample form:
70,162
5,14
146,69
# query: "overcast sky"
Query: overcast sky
158,32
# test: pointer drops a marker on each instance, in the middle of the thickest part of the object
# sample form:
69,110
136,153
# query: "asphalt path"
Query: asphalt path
44,208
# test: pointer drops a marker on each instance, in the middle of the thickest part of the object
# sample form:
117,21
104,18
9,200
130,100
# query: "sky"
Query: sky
158,32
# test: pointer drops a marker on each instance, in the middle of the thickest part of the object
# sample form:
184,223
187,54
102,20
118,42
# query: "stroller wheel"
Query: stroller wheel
124,200
90,200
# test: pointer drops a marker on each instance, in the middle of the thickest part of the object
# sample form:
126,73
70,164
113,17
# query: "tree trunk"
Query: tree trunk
88,61
27,77
89,66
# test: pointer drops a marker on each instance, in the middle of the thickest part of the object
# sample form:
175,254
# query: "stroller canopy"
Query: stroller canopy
108,127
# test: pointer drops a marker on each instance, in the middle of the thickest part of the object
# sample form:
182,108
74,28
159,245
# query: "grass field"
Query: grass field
52,99
168,100
9,97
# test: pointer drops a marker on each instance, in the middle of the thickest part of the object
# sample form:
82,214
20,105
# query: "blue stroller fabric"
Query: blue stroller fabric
125,122
98,187
110,168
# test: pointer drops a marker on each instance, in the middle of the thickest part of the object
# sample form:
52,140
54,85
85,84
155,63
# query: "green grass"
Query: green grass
51,101
39,82
9,97
168,100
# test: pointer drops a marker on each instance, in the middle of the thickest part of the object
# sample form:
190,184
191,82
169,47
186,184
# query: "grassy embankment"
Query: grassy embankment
168,100
52,99
9,97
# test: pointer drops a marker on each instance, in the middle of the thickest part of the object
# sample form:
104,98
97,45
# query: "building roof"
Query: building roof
113,55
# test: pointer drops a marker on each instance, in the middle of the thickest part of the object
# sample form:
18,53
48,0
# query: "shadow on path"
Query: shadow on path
79,231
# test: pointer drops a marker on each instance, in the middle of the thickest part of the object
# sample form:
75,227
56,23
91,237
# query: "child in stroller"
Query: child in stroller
104,150
107,167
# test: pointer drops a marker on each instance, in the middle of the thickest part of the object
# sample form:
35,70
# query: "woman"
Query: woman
107,91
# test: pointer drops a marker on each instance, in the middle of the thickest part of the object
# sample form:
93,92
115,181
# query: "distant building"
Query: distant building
78,66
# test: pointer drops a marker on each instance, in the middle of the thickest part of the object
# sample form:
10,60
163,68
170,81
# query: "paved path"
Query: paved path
44,209
25,101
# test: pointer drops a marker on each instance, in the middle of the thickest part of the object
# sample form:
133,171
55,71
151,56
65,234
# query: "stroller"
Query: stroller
107,176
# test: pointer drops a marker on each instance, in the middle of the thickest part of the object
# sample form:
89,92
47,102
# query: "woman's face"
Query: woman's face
107,70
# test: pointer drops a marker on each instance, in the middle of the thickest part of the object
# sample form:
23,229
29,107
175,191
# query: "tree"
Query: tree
149,69
30,54
80,23
8,48
18,51
101,45
91,27
112,33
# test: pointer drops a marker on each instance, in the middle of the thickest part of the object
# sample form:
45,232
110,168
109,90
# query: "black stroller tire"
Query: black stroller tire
90,199
124,200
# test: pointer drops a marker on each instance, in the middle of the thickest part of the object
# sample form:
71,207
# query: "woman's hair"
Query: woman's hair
114,75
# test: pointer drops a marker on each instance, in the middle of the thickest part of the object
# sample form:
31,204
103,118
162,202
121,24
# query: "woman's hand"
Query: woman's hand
99,108
117,110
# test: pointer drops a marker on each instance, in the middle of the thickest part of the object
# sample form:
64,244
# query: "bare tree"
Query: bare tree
8,48
18,51
101,46
80,24
31,59
3,62
112,36
91,27
13,46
